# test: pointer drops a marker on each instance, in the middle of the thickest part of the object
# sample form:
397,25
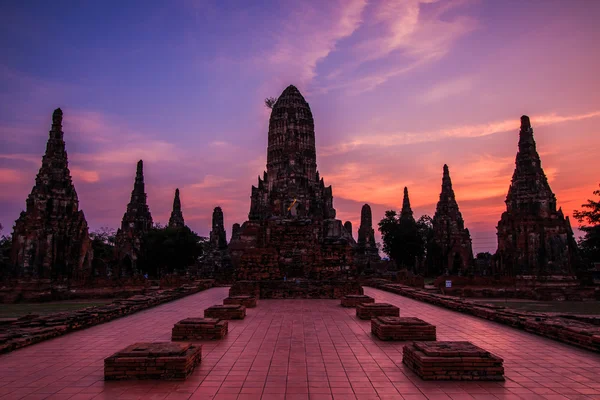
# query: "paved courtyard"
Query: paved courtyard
297,349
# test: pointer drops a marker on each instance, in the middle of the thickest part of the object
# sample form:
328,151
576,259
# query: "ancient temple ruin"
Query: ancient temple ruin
216,262
50,238
366,251
406,215
451,251
176,219
534,238
137,220
291,232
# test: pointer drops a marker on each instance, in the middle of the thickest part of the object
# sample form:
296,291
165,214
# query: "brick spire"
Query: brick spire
51,237
176,219
406,212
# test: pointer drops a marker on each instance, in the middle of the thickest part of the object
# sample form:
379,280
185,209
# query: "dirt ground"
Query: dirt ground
573,307
19,310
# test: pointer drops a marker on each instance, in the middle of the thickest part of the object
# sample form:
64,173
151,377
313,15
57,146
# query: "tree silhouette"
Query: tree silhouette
589,244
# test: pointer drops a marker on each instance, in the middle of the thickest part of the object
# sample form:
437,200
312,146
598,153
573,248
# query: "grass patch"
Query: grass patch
22,309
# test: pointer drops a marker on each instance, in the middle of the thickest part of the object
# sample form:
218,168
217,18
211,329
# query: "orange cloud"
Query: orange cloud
88,176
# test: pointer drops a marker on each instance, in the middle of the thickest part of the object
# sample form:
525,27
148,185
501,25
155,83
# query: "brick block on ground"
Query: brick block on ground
370,310
402,328
246,301
225,311
159,360
191,329
452,361
352,300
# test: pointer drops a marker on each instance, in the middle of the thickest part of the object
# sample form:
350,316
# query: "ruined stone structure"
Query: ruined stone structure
406,215
217,260
235,231
50,238
451,250
137,220
534,238
348,228
292,231
366,249
176,220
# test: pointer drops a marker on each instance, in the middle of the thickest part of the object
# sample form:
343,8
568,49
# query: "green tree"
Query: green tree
403,239
103,244
170,249
589,217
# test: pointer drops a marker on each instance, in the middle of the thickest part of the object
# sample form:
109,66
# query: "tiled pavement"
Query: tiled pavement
297,349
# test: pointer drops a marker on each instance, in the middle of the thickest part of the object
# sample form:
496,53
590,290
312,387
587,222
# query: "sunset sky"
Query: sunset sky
397,89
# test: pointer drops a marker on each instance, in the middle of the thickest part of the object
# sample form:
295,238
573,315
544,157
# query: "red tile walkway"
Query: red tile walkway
297,349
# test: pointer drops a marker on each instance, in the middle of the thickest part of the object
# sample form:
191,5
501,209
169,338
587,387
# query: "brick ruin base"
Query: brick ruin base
352,300
161,360
402,328
225,311
297,289
246,301
452,361
370,310
578,330
199,329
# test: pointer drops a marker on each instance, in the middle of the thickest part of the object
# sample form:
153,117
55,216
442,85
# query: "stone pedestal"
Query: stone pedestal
161,360
452,361
370,310
352,300
402,328
191,329
246,301
225,311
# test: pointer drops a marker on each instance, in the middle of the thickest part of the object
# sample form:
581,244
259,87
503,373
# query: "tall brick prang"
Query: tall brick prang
534,238
137,221
50,238
176,219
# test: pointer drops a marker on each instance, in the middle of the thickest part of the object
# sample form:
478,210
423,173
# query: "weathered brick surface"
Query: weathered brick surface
160,360
296,289
25,331
225,311
370,310
564,328
402,328
190,329
352,300
452,361
246,301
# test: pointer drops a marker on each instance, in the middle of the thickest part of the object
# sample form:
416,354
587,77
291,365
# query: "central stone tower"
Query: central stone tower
291,233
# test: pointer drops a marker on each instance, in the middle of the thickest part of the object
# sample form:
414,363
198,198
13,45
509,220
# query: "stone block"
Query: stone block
370,310
246,301
352,300
402,328
159,360
452,361
191,329
225,311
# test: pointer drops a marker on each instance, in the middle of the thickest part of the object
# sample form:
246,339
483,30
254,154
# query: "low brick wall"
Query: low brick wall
225,311
159,360
456,361
352,300
246,301
302,289
191,329
370,310
402,328
16,333
564,328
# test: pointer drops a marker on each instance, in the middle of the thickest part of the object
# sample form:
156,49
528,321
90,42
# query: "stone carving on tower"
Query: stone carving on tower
137,221
176,219
50,238
451,250
534,238
291,230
